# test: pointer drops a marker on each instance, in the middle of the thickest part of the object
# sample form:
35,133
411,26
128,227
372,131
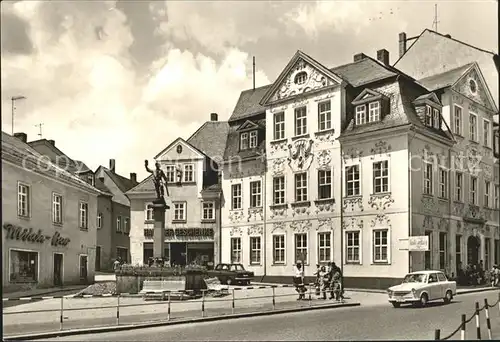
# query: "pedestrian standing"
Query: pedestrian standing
317,283
298,280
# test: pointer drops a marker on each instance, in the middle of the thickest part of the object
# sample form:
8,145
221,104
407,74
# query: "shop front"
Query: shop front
190,246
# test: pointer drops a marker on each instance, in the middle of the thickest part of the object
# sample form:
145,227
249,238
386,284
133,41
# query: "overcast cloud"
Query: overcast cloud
122,80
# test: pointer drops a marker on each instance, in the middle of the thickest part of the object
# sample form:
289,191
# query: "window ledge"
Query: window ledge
179,221
443,199
254,264
278,264
324,200
278,141
353,263
187,183
301,204
487,147
474,141
427,195
325,131
458,135
149,221
27,218
57,224
84,229
279,206
381,263
351,197
208,221
303,136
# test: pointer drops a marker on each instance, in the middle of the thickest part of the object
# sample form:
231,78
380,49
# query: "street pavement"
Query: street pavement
372,321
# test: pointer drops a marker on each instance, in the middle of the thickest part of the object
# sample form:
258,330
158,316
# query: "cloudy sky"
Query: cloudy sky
121,80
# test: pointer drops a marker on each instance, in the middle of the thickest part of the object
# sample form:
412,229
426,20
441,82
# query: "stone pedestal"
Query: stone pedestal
159,208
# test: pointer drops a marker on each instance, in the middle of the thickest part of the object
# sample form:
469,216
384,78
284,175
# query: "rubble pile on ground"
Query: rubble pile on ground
97,289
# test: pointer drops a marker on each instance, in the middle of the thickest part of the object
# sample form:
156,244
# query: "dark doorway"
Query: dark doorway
473,245
98,258
58,269
83,269
178,253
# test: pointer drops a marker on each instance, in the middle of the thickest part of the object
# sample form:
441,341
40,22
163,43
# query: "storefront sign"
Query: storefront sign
418,243
181,232
29,235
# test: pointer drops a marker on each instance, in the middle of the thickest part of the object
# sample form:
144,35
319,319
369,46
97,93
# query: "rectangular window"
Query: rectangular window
208,210
57,208
487,247
473,190
458,251
278,249
23,267
301,248
118,224
300,121
23,200
279,126
381,177
324,246
243,141
236,250
255,250
443,183
374,111
149,212
457,120
352,180
427,254
236,196
436,119
487,186
84,215
253,139
122,253
324,115
301,187
380,245
459,178
255,194
486,133
279,190
188,173
324,184
170,173
360,115
428,116
473,127
99,221
442,250
126,225
428,178
497,193
352,246
179,211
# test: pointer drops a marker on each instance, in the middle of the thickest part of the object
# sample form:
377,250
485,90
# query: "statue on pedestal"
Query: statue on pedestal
159,180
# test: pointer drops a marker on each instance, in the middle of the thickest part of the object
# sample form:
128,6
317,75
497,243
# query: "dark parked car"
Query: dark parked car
232,274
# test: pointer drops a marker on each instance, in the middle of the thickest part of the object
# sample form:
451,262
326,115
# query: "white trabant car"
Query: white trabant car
421,288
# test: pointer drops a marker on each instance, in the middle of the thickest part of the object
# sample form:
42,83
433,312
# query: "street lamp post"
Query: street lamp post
14,99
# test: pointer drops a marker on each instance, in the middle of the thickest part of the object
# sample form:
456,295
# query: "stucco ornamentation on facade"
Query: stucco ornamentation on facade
301,208
278,167
278,109
487,170
443,224
325,206
352,154
324,159
487,213
236,231
353,203
380,201
300,155
327,137
458,208
325,224
428,204
428,223
381,220
352,223
256,229
278,211
381,148
301,226
277,146
255,214
236,216
279,226
459,227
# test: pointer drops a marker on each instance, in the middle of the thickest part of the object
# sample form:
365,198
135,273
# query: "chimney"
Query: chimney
112,165
359,56
383,56
52,142
133,177
402,44
21,136
447,35
214,117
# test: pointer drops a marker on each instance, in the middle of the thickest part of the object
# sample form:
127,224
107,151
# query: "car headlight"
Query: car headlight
414,292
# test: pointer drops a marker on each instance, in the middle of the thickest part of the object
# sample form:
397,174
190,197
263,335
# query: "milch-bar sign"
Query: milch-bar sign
28,234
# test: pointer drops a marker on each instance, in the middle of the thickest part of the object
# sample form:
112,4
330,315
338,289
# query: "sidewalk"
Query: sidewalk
47,291
92,312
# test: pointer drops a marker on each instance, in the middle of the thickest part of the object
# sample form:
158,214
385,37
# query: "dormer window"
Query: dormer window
428,116
248,140
370,106
436,119
373,109
360,115
432,117
244,141
301,78
253,139
90,179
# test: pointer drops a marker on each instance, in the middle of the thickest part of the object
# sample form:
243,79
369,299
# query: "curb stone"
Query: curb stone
36,336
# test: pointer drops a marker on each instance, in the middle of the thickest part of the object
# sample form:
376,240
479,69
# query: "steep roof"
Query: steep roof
444,79
74,166
104,189
146,186
249,103
211,138
123,183
232,149
364,71
22,154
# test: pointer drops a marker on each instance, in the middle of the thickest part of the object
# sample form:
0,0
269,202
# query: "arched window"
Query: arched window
301,78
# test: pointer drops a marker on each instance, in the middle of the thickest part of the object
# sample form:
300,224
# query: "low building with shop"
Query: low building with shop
193,220
48,220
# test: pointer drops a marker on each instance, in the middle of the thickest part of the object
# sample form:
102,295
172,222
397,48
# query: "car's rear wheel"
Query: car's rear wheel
448,297
396,305
424,299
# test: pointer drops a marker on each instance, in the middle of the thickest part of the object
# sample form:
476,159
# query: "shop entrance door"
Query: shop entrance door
178,253
58,268
83,269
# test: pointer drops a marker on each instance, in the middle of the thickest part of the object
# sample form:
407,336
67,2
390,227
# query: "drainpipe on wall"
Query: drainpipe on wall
449,210
410,211
264,233
341,217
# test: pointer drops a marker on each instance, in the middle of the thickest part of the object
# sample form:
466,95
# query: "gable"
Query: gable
248,125
180,149
367,95
302,75
473,86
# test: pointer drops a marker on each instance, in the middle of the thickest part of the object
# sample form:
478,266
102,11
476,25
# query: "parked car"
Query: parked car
419,288
232,274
